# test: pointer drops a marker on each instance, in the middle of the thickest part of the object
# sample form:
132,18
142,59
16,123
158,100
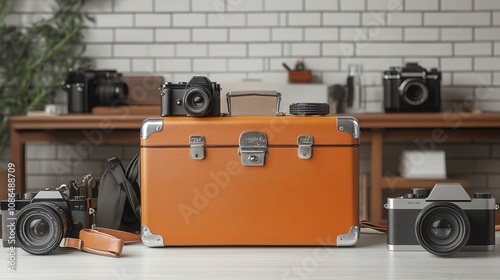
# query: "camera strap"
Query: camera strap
101,241
118,205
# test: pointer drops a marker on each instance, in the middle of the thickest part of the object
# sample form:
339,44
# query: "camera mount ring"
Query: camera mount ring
407,84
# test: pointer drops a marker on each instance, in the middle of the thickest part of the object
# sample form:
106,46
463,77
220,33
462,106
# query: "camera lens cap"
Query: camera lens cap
309,109
482,195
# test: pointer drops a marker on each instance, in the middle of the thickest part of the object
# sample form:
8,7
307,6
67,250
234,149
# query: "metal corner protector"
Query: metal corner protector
150,126
349,125
149,239
350,238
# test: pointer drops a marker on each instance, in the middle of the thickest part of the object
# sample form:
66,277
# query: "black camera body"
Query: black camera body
37,222
198,98
412,89
443,222
88,88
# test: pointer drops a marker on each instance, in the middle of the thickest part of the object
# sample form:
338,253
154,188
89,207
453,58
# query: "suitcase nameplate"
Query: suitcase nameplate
197,147
305,143
253,148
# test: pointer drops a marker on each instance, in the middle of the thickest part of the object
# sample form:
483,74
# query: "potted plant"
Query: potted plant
35,59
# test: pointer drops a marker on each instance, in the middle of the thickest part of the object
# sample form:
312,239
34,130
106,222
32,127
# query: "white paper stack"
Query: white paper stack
423,165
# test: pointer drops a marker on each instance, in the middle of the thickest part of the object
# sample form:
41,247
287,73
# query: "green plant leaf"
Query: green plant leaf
35,58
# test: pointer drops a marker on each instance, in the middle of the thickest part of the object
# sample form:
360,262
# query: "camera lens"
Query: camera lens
40,227
197,102
111,93
442,228
413,92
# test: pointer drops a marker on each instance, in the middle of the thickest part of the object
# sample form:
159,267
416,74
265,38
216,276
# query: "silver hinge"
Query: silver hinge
253,148
305,143
197,147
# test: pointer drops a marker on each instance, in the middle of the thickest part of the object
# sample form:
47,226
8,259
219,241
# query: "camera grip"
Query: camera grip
265,93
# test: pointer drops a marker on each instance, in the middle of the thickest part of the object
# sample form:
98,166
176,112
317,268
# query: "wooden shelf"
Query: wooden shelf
404,183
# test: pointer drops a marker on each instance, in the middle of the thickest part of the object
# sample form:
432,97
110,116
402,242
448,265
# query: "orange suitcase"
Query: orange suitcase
283,180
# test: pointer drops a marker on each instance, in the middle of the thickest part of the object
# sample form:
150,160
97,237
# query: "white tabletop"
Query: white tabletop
369,259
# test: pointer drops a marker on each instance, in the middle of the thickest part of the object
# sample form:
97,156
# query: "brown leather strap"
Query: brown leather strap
377,227
101,241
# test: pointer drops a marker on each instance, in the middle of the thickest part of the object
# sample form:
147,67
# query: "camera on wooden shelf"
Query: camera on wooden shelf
412,89
89,88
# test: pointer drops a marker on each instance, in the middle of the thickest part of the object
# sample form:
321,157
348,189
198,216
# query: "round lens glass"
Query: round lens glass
198,101
441,228
414,93
39,228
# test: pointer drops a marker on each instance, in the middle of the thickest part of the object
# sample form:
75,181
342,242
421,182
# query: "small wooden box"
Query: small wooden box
143,90
302,76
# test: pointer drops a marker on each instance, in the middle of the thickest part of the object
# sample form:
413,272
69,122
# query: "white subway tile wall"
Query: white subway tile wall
230,40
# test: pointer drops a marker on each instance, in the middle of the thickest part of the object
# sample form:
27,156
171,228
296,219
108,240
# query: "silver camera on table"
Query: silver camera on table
443,222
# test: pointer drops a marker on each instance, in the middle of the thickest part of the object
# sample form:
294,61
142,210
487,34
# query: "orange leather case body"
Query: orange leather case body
215,181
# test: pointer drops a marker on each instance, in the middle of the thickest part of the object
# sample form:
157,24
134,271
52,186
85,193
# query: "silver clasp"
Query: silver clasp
253,148
197,147
305,143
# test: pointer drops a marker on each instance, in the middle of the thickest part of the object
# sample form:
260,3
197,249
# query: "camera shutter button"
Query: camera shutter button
419,192
482,195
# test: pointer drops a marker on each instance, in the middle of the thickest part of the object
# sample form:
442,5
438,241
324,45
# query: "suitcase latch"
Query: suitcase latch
197,147
305,143
253,148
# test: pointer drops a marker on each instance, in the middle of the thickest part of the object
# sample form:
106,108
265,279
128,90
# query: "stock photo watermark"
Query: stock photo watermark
9,219
310,264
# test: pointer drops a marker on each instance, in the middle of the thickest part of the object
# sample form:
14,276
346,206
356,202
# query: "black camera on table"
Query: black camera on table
198,98
443,222
89,88
38,222
412,89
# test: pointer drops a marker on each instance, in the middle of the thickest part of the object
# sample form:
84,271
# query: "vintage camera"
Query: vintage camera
443,222
88,88
412,89
198,98
38,222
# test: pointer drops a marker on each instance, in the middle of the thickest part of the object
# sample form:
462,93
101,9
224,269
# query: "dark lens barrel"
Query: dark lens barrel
111,93
442,228
198,102
40,228
414,92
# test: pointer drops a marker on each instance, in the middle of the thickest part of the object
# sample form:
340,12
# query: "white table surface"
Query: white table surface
369,259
